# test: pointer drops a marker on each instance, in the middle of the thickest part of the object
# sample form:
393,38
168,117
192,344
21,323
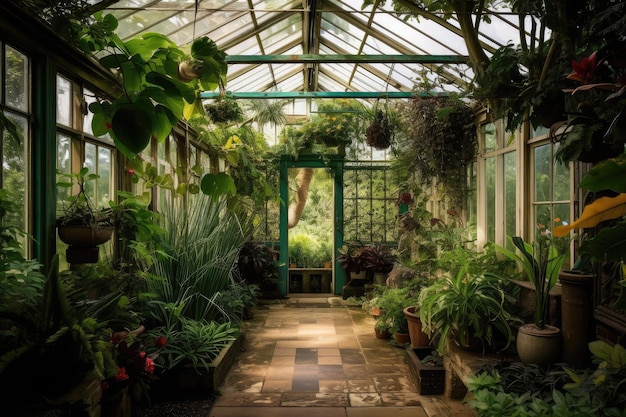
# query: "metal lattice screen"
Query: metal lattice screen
370,209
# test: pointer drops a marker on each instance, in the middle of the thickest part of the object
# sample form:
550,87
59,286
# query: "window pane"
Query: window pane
489,132
16,79
64,101
103,195
91,163
472,196
543,169
561,181
510,194
89,98
14,170
64,165
490,199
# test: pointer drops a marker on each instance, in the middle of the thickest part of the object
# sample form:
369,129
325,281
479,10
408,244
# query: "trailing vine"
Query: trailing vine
441,140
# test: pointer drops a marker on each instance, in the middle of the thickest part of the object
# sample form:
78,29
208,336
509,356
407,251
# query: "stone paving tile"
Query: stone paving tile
314,399
365,399
386,412
238,399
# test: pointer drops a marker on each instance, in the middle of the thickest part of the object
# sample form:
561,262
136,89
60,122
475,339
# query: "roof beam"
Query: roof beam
315,94
346,59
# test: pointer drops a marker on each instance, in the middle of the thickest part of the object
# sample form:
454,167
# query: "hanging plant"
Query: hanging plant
224,110
378,134
441,141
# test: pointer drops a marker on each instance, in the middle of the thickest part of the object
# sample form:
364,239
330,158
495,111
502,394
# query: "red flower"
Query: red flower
149,366
121,374
452,212
434,221
104,385
160,341
585,70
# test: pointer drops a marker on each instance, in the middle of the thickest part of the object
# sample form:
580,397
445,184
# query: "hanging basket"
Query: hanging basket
378,134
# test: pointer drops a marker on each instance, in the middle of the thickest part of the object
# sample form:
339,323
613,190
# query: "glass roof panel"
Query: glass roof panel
281,27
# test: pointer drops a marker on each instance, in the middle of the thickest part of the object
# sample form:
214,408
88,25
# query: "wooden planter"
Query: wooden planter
429,380
190,382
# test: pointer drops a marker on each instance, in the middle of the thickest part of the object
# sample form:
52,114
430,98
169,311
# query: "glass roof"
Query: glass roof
279,28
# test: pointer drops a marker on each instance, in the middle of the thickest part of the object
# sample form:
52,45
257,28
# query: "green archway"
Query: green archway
335,163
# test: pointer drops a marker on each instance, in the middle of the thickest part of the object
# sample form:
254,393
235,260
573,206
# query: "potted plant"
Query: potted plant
392,303
469,307
351,260
378,260
81,224
541,262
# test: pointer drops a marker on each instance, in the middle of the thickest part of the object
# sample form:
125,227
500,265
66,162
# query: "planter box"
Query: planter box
429,380
190,382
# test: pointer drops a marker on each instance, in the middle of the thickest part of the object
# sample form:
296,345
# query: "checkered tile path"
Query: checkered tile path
317,355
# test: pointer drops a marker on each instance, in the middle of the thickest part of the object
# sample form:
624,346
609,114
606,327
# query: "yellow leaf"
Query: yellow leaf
604,208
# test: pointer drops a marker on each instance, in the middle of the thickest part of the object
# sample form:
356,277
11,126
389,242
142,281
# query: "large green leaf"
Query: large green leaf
173,102
162,125
607,175
218,184
133,127
172,88
113,60
609,245
148,44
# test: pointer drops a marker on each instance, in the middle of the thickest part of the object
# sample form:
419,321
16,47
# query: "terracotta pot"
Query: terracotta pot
402,338
539,346
417,335
382,334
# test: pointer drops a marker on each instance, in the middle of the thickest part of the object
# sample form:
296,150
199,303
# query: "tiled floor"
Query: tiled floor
319,353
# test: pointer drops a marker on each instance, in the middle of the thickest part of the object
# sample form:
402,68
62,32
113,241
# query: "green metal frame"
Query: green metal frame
316,94
44,148
335,163
348,59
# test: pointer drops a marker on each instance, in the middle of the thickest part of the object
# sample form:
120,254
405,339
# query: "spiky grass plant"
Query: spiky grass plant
205,238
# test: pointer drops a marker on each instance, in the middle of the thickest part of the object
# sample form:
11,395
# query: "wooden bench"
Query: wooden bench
310,280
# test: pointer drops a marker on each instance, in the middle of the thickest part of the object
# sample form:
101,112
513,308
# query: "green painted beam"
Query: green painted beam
315,94
347,59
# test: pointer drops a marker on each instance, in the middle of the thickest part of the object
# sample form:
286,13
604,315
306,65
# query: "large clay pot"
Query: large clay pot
577,317
417,335
539,346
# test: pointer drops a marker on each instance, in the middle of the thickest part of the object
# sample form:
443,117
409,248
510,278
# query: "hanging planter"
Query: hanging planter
378,134
82,226
224,110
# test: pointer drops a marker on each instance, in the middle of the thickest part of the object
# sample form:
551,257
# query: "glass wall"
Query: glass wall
499,180
16,108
